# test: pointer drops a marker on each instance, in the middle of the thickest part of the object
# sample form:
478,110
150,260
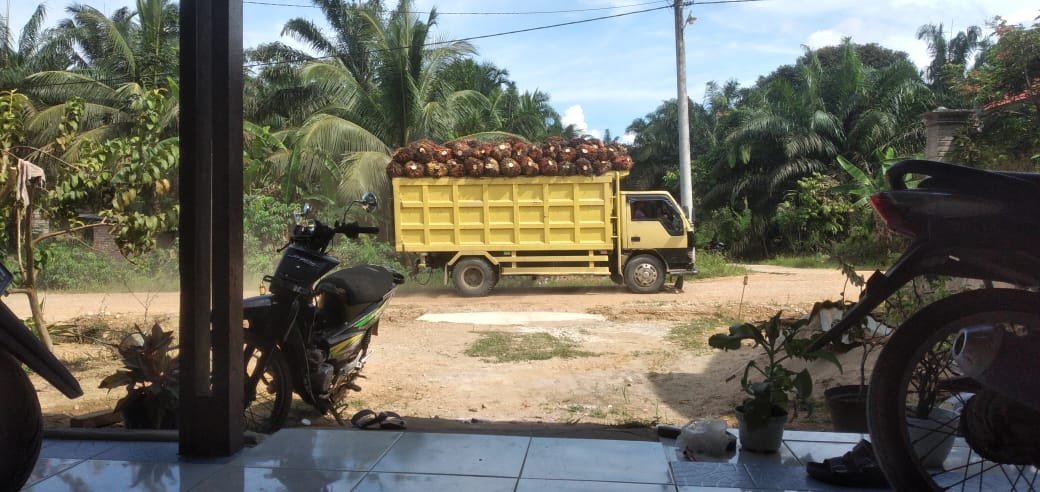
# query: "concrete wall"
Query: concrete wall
941,126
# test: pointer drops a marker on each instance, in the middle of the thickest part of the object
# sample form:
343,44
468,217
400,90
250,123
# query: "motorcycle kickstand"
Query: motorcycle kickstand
338,417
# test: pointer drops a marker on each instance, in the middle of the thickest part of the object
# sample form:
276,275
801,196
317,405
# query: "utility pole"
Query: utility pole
685,183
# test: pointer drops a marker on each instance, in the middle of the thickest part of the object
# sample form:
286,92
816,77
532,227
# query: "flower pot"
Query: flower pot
765,438
137,414
931,437
848,408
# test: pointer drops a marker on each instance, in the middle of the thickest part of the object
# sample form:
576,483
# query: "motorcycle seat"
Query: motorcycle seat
348,291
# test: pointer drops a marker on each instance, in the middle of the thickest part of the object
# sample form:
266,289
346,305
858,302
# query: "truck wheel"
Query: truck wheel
473,277
644,274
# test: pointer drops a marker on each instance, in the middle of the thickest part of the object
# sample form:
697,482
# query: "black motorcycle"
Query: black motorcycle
954,398
21,423
308,336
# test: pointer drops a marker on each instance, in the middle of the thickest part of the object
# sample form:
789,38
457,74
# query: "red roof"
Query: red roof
1017,98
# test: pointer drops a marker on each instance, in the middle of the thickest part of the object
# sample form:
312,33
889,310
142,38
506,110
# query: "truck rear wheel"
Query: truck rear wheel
473,277
644,274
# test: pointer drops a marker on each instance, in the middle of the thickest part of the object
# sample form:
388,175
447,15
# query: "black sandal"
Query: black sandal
367,418
391,421
857,468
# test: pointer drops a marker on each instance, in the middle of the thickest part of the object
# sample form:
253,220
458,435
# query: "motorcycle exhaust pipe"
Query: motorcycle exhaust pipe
1002,356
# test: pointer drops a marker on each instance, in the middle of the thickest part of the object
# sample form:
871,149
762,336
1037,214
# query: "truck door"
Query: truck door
653,223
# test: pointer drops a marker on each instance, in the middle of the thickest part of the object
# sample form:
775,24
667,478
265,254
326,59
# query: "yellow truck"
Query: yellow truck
480,229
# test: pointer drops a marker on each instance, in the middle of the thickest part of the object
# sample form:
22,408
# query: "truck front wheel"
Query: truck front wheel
473,277
644,274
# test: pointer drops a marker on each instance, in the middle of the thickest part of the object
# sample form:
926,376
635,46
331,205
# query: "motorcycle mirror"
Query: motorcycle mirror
369,202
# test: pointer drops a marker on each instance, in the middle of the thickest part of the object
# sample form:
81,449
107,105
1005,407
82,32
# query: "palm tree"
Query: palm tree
950,59
400,93
793,126
113,62
37,50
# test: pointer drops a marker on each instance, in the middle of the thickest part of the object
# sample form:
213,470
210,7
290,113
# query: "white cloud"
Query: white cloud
628,138
574,115
823,38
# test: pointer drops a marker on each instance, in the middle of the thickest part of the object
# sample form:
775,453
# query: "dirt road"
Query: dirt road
635,376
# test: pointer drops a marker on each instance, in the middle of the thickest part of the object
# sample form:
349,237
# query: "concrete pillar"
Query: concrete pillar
941,126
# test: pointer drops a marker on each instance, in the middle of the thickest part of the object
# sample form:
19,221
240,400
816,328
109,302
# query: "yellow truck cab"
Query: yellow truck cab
480,229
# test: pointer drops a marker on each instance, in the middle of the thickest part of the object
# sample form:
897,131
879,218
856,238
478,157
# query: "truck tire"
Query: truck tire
21,424
473,277
644,274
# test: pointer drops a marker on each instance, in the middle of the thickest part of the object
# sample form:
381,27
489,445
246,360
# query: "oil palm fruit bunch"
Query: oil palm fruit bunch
583,166
535,153
566,154
548,167
566,168
461,150
509,167
403,155
436,169
423,150
394,169
455,168
601,167
500,151
527,166
482,151
491,168
414,169
518,148
441,154
474,167
588,151
622,162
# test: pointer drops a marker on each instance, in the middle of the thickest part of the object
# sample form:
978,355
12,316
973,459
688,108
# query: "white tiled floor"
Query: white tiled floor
334,459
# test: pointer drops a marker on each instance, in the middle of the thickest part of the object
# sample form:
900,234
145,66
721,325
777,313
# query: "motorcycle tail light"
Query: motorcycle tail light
893,215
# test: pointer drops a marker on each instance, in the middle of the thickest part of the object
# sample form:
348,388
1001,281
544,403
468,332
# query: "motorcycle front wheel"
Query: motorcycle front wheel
918,396
268,394
21,424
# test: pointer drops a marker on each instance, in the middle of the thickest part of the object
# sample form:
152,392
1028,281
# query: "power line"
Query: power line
437,43
482,36
526,12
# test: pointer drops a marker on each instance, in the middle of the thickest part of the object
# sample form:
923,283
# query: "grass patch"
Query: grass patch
711,264
818,260
694,335
498,346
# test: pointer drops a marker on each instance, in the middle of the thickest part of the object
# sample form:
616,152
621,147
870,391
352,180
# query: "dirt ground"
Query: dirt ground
636,377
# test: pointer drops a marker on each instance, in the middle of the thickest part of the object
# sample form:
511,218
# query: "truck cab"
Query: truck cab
655,239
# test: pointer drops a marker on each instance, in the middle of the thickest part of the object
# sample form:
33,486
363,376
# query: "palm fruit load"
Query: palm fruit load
509,158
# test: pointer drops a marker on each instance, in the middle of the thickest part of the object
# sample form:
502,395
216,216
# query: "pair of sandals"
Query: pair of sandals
367,419
857,468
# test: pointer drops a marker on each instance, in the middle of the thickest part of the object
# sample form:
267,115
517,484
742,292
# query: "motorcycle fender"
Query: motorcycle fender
17,340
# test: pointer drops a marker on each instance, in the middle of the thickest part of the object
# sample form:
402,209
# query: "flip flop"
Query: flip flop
857,468
367,418
391,421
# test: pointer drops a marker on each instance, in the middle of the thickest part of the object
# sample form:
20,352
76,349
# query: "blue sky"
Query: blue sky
604,74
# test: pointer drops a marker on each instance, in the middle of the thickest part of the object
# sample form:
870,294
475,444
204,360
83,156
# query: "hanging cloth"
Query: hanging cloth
28,173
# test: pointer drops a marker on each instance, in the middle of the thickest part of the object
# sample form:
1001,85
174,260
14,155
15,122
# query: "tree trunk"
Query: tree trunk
29,289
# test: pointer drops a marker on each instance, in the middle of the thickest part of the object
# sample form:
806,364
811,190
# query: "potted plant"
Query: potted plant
150,375
848,403
773,391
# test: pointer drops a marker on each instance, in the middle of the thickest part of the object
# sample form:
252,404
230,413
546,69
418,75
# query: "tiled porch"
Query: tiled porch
335,459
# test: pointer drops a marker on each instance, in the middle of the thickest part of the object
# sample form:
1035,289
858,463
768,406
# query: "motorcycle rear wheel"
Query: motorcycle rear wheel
268,408
21,424
897,387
